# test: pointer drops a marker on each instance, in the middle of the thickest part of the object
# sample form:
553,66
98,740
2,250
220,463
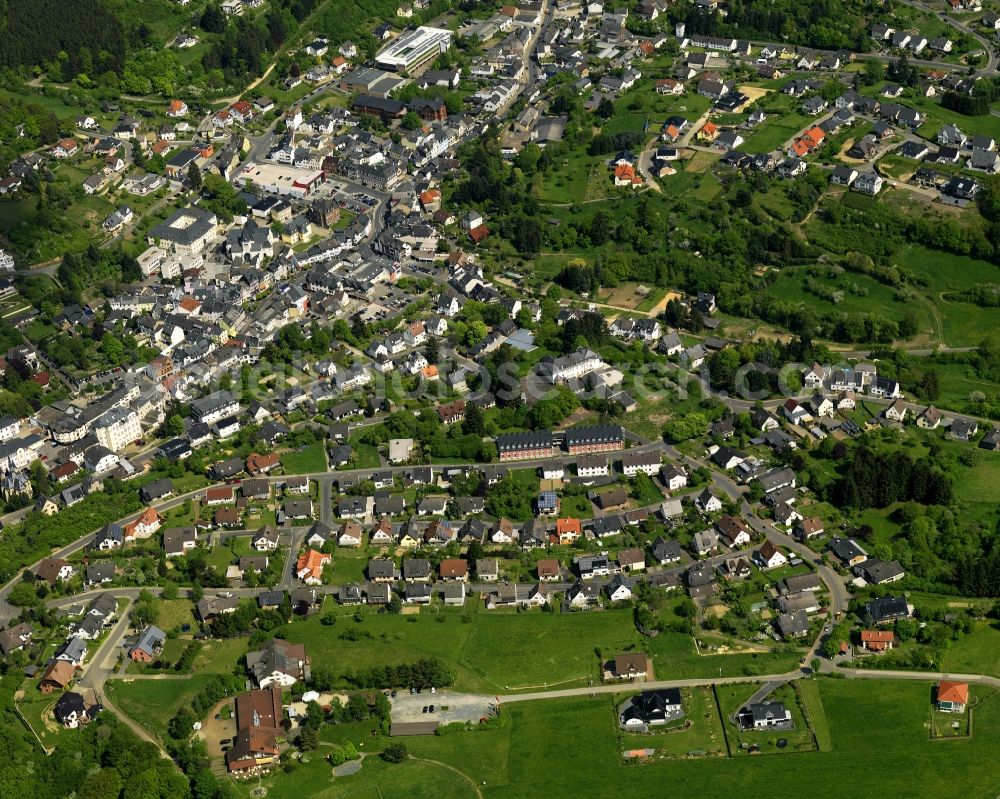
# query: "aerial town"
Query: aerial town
393,397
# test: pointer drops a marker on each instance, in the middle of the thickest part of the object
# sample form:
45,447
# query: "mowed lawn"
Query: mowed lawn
310,459
571,747
376,780
491,652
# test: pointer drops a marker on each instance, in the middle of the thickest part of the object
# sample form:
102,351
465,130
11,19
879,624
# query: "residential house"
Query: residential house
309,566
279,663
886,609
149,645
952,697
733,531
877,640
793,625
768,556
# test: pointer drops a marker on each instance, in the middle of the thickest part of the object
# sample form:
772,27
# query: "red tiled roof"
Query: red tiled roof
957,692
312,561
454,567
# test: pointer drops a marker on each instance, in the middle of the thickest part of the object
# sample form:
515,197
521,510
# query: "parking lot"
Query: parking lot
448,707
215,730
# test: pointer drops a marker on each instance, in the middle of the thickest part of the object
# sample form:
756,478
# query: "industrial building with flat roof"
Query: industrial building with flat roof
414,50
282,179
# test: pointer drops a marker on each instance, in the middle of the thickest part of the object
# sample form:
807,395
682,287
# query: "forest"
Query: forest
827,24
872,478
81,36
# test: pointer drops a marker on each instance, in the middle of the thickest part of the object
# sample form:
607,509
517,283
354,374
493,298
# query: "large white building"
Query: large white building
414,50
6,262
188,230
9,428
281,179
573,366
119,428
214,407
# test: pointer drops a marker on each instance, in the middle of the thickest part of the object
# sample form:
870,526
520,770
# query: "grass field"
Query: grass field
569,180
310,459
860,294
975,653
644,491
964,324
499,651
958,382
811,701
578,506
365,457
349,565
489,653
152,703
887,717
174,613
776,130
376,780
220,657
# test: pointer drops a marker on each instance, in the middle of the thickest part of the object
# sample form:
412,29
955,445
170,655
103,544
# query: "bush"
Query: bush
395,753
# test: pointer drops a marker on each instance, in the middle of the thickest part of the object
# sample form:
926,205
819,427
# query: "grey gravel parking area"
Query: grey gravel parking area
449,707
